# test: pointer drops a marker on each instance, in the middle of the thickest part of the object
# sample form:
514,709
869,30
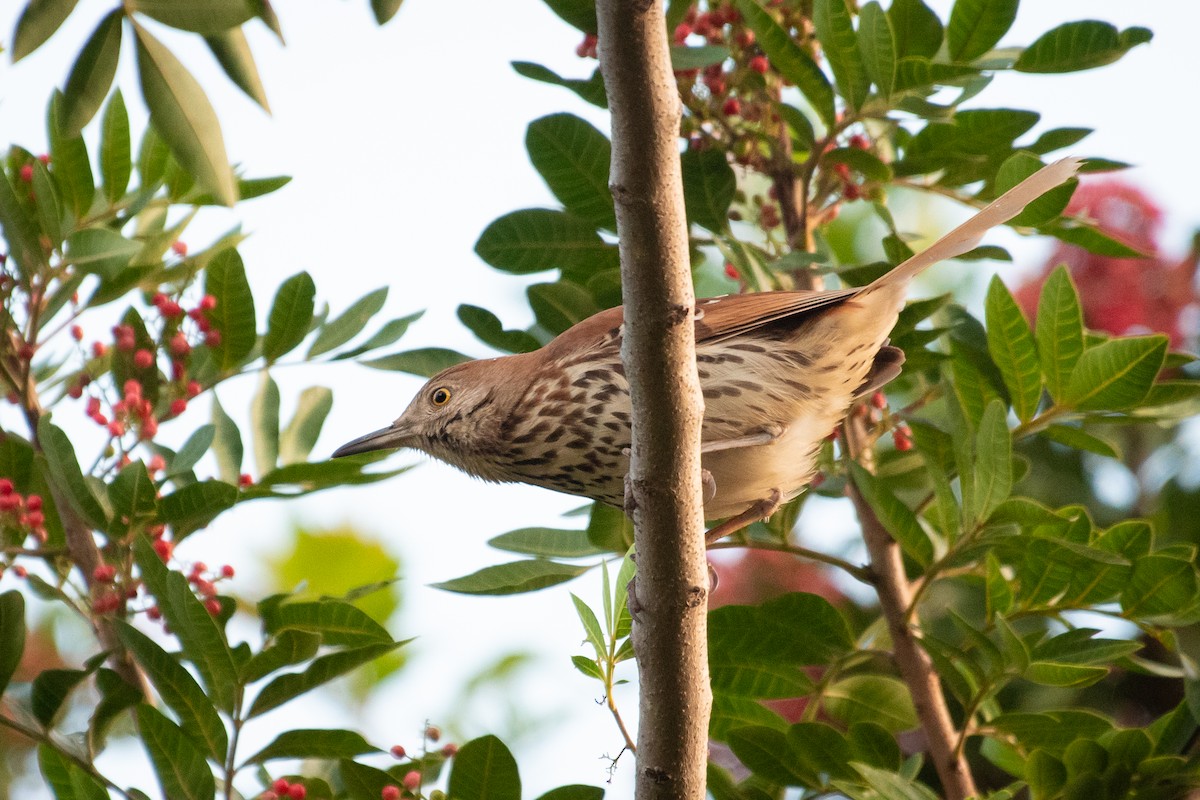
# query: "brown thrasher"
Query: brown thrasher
779,370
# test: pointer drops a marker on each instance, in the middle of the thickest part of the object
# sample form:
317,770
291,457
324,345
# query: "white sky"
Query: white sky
404,143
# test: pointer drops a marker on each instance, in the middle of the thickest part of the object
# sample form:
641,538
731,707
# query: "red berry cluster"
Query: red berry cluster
587,48
205,584
22,514
902,437
283,789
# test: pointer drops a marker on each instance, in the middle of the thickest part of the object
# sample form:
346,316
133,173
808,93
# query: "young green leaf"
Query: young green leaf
182,771
181,113
233,316
232,52
897,518
227,444
1085,44
789,59
831,18
1011,344
93,74
977,25
877,46
349,324
591,626
993,465
179,690
300,435
264,418
572,156
514,577
290,317
1059,331
484,769
1115,375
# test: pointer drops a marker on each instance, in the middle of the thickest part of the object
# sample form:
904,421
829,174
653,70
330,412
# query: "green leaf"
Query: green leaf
917,29
363,782
873,744
1057,139
514,577
539,239
72,167
50,213
1159,588
834,29
575,791
264,419
560,305
12,634
20,232
752,679
484,769
591,626
1049,206
321,671
590,90
178,763
1080,439
488,328
300,435
64,467
424,361
232,52
1059,331
336,621
197,16
51,688
200,637
67,779
38,22
1116,374
289,647
796,628
315,744
227,444
872,698
580,14
179,690
225,279
384,10
822,750
1068,675
1011,344
349,324
133,494
893,786
877,45
977,25
192,450
792,62
92,74
573,156
101,251
547,543
1079,45
391,331
863,162
1090,238
116,162
993,465
897,518
181,113
194,506
766,753
708,188
291,316
684,57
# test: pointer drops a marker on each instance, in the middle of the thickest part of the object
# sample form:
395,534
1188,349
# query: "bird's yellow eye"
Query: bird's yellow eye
440,396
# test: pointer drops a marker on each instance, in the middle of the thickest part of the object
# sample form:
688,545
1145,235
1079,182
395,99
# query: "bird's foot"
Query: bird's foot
708,485
759,510
764,435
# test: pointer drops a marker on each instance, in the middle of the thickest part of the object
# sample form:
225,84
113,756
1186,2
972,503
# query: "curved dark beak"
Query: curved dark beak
387,438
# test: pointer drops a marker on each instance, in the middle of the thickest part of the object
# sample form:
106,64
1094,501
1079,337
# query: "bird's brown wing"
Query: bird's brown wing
722,317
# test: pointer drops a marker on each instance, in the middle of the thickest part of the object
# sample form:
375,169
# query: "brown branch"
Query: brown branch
916,668
658,349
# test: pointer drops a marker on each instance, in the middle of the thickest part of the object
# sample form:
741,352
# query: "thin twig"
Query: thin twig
859,573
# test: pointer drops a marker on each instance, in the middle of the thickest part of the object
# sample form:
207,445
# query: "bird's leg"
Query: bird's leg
765,435
760,510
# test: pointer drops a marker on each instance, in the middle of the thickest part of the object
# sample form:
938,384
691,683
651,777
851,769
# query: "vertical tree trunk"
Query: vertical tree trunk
663,492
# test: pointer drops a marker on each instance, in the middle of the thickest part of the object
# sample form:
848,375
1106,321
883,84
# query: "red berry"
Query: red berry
433,733
163,548
852,191
44,158
412,781
859,142
159,299
398,751
205,588
77,333
98,349
245,479
682,32
171,309
10,502
154,613
116,428
193,389
20,571
35,519
27,173
157,464
450,750
732,272
75,391
878,400
104,573
227,572
213,607
93,406
178,406
34,502
179,248
143,359
179,345
213,338
149,428
6,486
208,302
390,792
759,64
297,791
281,786
732,107
133,388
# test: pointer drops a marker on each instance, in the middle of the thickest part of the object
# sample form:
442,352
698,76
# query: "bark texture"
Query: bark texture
663,492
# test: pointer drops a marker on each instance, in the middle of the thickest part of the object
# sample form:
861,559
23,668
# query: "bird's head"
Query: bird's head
449,418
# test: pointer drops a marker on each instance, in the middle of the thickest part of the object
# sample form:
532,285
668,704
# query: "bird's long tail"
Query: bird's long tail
968,235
